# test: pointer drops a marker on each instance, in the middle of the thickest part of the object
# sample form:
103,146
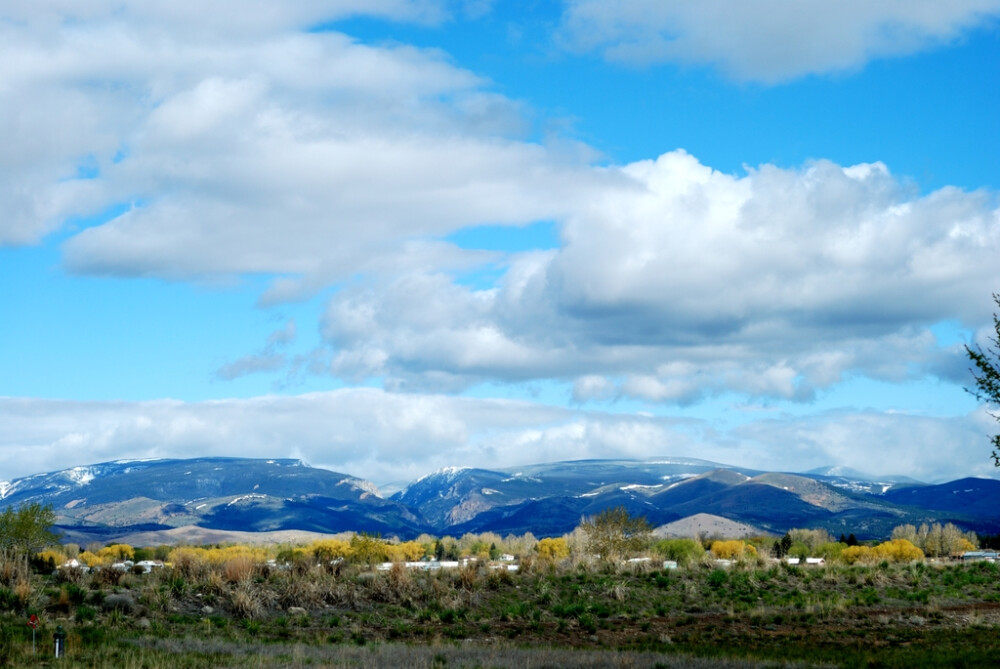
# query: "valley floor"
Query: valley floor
909,616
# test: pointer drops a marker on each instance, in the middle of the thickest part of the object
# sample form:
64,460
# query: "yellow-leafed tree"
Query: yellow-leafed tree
552,549
327,550
116,553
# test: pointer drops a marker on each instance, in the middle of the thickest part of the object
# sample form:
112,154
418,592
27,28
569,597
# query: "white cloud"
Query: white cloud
270,358
365,432
387,437
768,41
926,448
81,80
687,282
303,154
226,17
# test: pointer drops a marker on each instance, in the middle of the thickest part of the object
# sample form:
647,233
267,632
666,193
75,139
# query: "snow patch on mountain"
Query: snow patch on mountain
677,478
873,487
80,475
245,498
448,473
519,476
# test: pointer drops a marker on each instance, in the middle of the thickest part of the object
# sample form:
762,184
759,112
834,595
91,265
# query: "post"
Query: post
33,624
60,638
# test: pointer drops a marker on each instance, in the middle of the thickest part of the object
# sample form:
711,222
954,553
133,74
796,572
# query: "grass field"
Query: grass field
916,615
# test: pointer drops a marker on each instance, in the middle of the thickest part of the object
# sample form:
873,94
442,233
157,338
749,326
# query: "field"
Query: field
548,615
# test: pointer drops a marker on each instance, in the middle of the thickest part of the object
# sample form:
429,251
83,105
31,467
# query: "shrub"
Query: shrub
498,578
898,550
85,614
245,602
857,555
190,562
74,593
106,576
468,576
733,550
683,551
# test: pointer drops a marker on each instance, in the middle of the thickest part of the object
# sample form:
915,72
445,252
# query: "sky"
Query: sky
388,236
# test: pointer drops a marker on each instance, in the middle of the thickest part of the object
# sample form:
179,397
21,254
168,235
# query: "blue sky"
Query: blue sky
397,235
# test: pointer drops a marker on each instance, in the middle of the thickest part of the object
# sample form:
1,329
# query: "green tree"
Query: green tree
781,547
368,549
25,531
987,376
614,535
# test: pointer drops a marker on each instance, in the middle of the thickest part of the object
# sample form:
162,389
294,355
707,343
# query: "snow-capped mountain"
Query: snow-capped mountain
112,499
219,493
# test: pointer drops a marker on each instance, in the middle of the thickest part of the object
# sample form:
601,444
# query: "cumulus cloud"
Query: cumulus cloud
388,437
686,282
770,41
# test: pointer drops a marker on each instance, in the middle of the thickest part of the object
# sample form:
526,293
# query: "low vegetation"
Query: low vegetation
333,603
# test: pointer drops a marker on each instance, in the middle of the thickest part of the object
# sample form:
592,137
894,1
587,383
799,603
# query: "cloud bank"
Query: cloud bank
389,437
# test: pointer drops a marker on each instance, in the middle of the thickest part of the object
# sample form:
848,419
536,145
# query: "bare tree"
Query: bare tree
614,535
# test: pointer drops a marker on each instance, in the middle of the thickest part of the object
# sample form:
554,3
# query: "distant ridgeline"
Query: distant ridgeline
112,500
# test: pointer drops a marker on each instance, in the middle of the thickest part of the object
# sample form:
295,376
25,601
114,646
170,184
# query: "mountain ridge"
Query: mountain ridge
125,497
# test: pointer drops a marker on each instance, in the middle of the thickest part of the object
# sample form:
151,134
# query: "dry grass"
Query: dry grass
436,656
307,591
189,563
238,569
245,601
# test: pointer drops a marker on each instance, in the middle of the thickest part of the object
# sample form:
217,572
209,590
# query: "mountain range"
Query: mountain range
117,500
